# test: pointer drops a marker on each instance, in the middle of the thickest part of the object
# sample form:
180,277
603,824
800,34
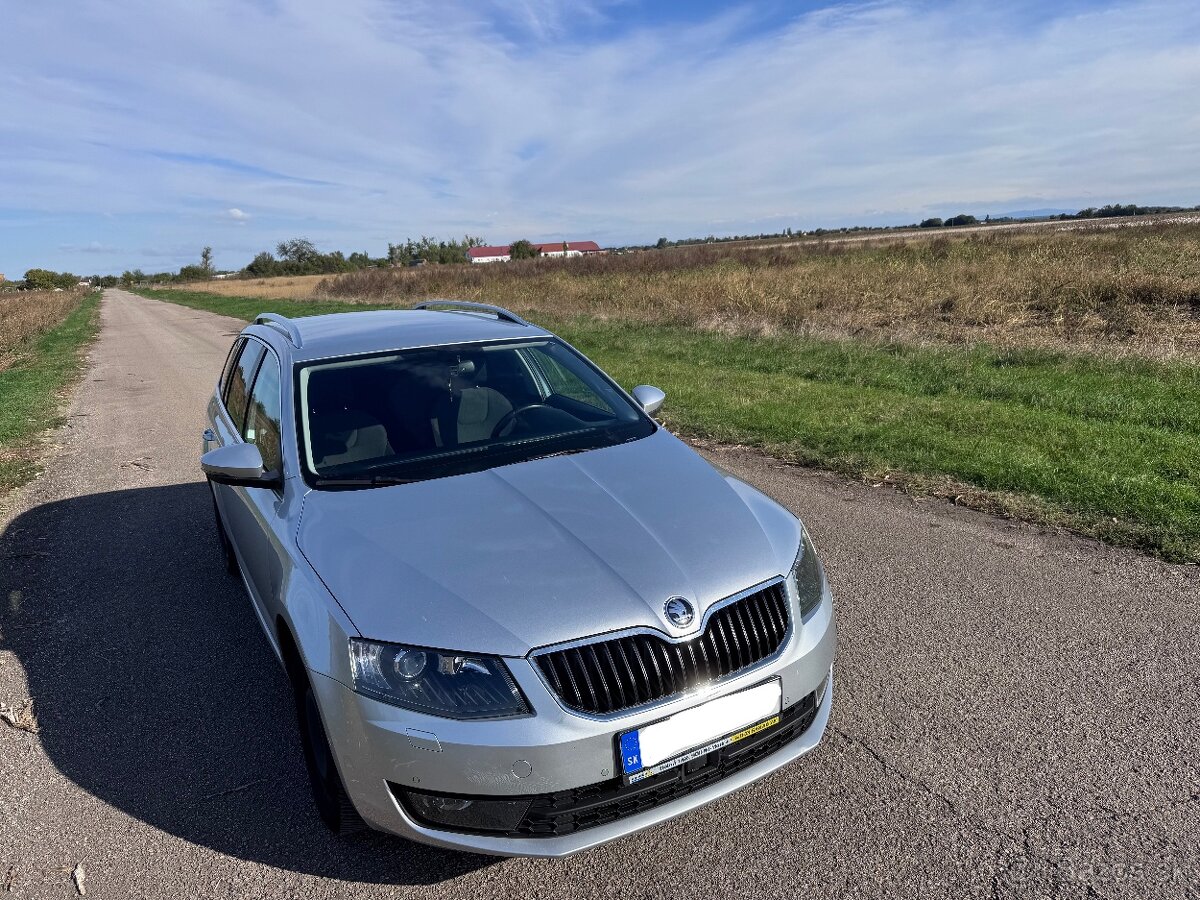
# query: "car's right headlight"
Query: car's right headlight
455,685
809,575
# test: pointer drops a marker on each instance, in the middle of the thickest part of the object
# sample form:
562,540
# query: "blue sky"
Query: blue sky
133,134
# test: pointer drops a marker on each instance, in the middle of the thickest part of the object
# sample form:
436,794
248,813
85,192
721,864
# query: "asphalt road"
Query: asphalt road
1015,713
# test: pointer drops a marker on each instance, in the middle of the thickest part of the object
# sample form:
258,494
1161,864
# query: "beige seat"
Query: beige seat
348,437
468,412
480,409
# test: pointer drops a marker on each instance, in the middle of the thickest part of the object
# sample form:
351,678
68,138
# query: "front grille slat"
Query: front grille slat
659,685
758,609
606,702
607,676
635,684
728,634
743,621
617,679
778,609
667,651
573,698
585,677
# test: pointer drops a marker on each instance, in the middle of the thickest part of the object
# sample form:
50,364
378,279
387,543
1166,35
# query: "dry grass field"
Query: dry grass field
28,314
1115,286
42,334
1122,290
289,287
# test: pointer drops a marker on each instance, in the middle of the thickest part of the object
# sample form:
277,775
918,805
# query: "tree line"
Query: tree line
1110,210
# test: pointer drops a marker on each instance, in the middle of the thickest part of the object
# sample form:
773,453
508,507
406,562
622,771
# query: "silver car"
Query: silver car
519,616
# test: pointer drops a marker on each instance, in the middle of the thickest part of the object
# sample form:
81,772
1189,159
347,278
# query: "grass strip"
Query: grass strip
31,390
1106,447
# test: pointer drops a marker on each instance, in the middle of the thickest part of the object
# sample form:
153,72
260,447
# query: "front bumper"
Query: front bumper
557,755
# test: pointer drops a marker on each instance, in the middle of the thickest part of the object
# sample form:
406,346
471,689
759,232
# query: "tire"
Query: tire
231,565
329,794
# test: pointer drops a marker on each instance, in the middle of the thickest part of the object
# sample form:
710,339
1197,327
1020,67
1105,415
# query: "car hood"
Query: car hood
551,550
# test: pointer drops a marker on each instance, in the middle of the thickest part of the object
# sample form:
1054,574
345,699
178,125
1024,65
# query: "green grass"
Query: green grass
1106,447
31,390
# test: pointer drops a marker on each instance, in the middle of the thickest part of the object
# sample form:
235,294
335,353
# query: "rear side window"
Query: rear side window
230,361
238,393
262,419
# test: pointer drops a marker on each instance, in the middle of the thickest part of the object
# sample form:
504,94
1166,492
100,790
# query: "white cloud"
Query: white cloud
370,121
92,247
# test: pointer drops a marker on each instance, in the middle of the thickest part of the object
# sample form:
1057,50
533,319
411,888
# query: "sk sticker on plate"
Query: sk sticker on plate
631,752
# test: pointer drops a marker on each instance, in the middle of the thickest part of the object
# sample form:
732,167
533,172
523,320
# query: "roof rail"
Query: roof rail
281,324
468,307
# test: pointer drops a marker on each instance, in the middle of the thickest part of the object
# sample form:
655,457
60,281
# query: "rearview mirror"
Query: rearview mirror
240,465
650,397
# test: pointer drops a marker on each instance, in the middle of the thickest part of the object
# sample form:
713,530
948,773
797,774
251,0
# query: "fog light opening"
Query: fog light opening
463,813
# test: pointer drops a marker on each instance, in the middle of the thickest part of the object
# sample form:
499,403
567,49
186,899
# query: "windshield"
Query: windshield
430,413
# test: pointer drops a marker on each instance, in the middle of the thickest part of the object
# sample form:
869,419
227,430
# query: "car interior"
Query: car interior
419,403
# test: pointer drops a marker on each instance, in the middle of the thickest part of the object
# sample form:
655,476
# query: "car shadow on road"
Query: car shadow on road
156,691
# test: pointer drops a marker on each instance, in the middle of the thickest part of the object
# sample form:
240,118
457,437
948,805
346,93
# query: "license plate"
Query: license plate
696,732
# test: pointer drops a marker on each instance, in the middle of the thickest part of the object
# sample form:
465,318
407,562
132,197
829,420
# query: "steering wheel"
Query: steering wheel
509,417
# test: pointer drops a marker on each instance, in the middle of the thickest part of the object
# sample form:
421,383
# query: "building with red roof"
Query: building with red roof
561,248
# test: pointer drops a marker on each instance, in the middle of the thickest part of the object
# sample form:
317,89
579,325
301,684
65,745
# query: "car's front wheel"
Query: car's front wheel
333,804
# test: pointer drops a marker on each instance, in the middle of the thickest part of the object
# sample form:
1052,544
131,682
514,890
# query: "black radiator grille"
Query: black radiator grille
624,672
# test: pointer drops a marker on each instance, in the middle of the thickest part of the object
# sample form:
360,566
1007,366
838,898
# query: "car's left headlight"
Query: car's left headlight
455,685
809,575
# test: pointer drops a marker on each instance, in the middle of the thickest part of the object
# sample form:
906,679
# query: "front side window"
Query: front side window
429,413
561,380
237,393
264,413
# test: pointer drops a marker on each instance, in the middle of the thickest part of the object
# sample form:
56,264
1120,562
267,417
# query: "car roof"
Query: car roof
372,331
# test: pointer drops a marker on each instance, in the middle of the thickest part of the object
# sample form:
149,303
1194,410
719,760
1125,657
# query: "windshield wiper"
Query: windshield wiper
570,452
364,481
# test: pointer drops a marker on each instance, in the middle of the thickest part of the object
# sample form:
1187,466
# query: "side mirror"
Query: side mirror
239,465
650,397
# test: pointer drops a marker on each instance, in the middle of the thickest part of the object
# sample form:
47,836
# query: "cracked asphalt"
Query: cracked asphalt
1015,714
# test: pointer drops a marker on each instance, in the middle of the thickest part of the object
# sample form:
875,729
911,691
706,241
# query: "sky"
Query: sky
133,134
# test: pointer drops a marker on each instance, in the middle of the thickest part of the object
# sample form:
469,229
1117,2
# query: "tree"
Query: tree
932,223
297,250
194,273
206,259
661,243
41,279
962,219
523,249
263,266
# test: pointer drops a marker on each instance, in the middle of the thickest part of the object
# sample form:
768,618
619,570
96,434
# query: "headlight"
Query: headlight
455,685
809,575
